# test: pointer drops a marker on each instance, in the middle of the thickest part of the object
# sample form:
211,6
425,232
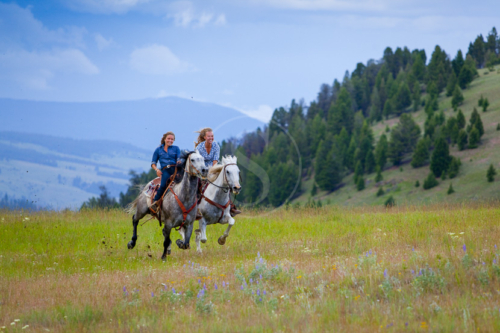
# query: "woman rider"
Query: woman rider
210,151
168,155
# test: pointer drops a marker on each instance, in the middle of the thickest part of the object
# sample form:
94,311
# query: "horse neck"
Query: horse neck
218,193
188,186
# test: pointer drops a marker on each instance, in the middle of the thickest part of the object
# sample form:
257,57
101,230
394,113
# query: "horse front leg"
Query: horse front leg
166,243
131,244
222,239
185,243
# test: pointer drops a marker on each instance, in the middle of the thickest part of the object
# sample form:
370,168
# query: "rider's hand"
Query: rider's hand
179,162
158,172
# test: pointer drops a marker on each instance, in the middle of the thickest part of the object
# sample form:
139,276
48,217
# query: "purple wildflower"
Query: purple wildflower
241,287
215,286
260,299
464,248
260,276
370,252
152,294
223,284
204,287
494,261
413,249
173,290
252,292
264,292
126,293
385,273
124,289
261,260
199,281
412,271
251,280
258,254
484,263
258,292
406,324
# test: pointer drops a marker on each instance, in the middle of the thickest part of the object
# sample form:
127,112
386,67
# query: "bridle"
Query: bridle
225,189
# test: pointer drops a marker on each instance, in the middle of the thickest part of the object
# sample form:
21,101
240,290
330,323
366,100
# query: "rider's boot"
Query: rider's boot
154,206
233,211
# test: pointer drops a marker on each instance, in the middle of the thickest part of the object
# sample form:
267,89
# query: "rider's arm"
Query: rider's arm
216,149
156,157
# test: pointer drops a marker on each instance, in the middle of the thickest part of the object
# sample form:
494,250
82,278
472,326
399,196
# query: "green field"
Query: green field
304,270
470,184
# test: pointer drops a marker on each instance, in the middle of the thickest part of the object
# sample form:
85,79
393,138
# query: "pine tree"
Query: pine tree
486,103
360,185
430,181
457,98
390,202
403,138
358,172
416,97
480,101
474,138
462,139
314,190
454,133
388,109
370,163
460,119
403,98
378,177
380,191
441,158
454,167
327,166
491,173
431,105
381,151
475,120
421,153
452,82
417,183
387,129
432,89
498,127
450,190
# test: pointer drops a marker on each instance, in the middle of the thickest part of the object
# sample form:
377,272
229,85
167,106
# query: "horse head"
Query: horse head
195,165
231,173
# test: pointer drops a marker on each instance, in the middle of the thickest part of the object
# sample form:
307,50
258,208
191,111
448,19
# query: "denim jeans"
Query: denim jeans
165,177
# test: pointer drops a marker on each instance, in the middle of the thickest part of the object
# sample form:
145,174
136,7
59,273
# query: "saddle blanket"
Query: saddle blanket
150,190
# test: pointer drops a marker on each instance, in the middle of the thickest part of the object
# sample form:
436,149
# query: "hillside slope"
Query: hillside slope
470,184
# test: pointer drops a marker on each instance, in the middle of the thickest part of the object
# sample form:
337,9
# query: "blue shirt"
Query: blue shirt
169,157
214,153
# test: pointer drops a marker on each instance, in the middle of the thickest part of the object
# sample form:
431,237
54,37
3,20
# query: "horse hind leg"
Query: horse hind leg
133,241
166,243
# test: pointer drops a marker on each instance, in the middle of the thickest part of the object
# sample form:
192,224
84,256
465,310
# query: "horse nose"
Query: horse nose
236,188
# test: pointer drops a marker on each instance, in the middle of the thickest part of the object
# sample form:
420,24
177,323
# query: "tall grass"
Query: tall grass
427,268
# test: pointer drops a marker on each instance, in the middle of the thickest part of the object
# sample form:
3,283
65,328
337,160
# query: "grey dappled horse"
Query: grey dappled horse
224,179
171,213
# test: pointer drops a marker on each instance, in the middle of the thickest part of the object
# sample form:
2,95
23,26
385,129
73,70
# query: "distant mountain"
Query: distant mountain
55,172
140,123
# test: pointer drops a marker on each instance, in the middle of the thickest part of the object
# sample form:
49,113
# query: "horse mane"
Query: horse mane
214,171
182,167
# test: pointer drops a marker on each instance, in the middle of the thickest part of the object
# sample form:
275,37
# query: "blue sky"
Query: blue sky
252,55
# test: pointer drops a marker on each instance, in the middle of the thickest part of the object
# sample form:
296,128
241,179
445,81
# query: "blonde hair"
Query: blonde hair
162,142
201,136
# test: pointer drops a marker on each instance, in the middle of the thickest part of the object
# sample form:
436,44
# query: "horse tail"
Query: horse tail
131,208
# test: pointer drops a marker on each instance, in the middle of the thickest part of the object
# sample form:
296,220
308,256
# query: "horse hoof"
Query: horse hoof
180,244
204,240
221,240
130,245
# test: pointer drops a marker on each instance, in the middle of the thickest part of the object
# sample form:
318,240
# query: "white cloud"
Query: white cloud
262,113
186,16
35,69
19,28
104,6
157,60
31,54
103,43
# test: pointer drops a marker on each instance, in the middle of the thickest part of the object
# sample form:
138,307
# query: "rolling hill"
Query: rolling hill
469,185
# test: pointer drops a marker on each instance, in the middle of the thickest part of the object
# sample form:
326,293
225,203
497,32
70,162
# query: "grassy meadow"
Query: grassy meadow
366,269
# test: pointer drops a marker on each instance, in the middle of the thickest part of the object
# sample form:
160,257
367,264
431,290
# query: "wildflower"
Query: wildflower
258,254
412,271
300,276
152,294
199,280
260,299
251,280
13,323
204,287
413,249
264,292
385,273
260,276
241,287
462,233
495,261
261,260
258,292
173,290
370,252
464,248
406,324
124,289
223,284
215,286
17,320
